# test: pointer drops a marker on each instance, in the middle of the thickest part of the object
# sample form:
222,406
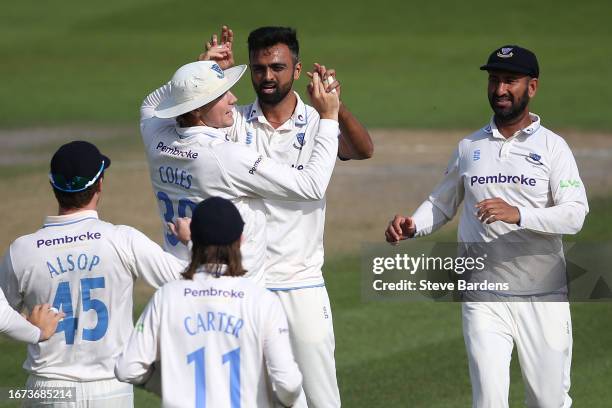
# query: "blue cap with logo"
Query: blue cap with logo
513,58
76,166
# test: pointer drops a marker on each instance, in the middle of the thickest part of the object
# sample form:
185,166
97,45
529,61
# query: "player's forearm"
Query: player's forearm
566,218
16,326
12,323
428,218
284,372
355,141
269,179
133,372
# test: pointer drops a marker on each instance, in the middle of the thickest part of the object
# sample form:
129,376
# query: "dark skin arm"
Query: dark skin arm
355,142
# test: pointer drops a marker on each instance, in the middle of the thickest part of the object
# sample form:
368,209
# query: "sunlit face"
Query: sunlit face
273,71
509,93
218,113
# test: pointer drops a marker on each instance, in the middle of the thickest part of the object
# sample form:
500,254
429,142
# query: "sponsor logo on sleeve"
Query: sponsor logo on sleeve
476,155
569,183
249,137
255,165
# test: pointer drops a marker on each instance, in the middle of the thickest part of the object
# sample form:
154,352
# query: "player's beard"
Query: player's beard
278,95
514,111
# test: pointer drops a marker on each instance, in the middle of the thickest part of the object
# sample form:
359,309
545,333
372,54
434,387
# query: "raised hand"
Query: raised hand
326,103
325,74
220,52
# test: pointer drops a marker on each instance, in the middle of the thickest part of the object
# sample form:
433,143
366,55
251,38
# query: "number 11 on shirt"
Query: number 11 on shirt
233,357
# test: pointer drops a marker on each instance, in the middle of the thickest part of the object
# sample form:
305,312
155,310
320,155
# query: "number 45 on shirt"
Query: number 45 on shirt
69,324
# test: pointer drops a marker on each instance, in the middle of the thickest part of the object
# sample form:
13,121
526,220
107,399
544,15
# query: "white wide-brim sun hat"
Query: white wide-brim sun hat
196,84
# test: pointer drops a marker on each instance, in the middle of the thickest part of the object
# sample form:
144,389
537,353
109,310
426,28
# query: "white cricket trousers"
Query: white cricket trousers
542,332
89,394
312,339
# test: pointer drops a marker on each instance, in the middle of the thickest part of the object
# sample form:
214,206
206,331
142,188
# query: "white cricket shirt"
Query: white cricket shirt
295,229
86,268
214,338
15,325
188,165
533,170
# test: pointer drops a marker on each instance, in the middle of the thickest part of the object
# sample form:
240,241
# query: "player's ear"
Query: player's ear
297,70
99,184
532,87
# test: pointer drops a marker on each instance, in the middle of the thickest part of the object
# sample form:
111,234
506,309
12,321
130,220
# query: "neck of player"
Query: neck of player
279,113
508,127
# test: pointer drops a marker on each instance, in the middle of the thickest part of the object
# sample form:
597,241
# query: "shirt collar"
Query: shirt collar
299,117
184,133
491,128
58,220
203,273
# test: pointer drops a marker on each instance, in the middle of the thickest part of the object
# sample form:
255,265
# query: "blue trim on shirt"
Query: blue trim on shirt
69,222
296,287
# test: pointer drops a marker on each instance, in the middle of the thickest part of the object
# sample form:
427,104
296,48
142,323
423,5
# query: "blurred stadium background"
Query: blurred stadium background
409,70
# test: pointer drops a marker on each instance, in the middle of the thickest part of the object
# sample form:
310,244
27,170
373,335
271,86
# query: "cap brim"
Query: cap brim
107,161
167,109
501,66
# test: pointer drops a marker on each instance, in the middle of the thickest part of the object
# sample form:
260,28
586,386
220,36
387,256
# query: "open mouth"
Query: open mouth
268,88
503,102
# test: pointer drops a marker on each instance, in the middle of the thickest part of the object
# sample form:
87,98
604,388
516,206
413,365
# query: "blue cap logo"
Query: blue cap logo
218,70
505,52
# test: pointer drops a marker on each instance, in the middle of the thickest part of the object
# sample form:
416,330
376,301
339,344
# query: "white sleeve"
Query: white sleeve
150,261
148,121
442,204
9,282
253,175
14,325
570,207
283,370
142,348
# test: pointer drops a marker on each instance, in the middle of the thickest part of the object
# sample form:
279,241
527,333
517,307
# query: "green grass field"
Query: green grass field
67,61
394,354
74,67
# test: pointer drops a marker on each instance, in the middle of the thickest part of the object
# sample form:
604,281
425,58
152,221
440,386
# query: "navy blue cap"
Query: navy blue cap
76,166
513,58
216,221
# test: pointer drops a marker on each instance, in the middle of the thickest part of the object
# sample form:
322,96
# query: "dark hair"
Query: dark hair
214,258
265,37
77,200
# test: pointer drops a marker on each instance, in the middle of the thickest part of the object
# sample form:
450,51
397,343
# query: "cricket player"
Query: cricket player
215,332
520,184
39,326
86,269
190,158
279,125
